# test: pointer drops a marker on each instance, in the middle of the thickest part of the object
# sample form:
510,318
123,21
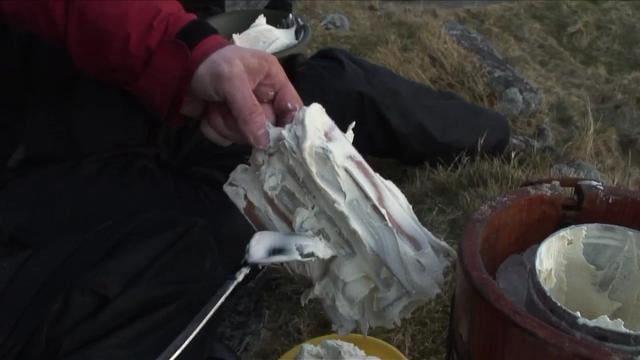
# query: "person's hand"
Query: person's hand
239,91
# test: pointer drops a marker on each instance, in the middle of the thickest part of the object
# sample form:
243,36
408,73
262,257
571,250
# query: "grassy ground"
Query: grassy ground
582,55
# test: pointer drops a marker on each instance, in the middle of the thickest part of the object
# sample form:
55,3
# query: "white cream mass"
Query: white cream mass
378,262
332,350
608,297
261,36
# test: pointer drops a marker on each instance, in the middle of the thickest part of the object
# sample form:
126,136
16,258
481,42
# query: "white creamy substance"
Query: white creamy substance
607,296
332,350
268,247
378,262
261,36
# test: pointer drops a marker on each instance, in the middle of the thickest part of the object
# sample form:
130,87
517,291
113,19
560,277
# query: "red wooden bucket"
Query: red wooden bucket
484,323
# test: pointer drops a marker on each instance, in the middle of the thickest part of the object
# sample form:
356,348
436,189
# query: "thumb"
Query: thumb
246,109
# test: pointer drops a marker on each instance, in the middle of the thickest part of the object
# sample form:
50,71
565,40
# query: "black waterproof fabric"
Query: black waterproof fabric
114,230
207,8
395,117
111,258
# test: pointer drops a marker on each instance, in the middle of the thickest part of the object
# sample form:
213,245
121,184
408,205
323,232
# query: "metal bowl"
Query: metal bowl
234,22
613,252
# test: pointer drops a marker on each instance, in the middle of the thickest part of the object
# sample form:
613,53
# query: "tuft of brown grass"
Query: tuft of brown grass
426,53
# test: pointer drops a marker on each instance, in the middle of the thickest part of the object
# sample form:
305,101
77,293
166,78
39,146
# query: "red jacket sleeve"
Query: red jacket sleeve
134,44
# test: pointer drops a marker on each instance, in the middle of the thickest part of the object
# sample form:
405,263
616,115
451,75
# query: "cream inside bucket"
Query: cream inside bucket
593,270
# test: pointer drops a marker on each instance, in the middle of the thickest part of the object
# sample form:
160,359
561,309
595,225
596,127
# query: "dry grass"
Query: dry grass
583,56
417,49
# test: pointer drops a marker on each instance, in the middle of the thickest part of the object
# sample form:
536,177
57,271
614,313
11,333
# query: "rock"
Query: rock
579,169
543,135
336,22
517,95
541,141
521,144
511,103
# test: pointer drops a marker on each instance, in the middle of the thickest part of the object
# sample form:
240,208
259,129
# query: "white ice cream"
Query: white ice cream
594,275
261,36
381,262
332,350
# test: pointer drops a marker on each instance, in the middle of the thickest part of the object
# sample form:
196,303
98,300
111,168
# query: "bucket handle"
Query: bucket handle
578,187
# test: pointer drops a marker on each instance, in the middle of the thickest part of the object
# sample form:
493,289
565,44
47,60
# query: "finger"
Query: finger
247,110
212,135
286,104
224,124
286,101
264,93
230,124
269,113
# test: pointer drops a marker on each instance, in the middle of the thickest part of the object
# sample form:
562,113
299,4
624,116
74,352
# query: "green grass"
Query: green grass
582,55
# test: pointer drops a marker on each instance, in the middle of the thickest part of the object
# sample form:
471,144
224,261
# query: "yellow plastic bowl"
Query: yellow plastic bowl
370,345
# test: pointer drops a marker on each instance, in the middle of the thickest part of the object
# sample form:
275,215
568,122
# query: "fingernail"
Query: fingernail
292,107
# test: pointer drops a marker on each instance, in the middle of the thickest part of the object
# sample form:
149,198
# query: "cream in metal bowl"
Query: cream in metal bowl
586,281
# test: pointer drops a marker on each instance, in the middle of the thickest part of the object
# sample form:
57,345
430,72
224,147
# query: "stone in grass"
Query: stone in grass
517,96
336,22
512,102
522,144
544,135
541,141
578,169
